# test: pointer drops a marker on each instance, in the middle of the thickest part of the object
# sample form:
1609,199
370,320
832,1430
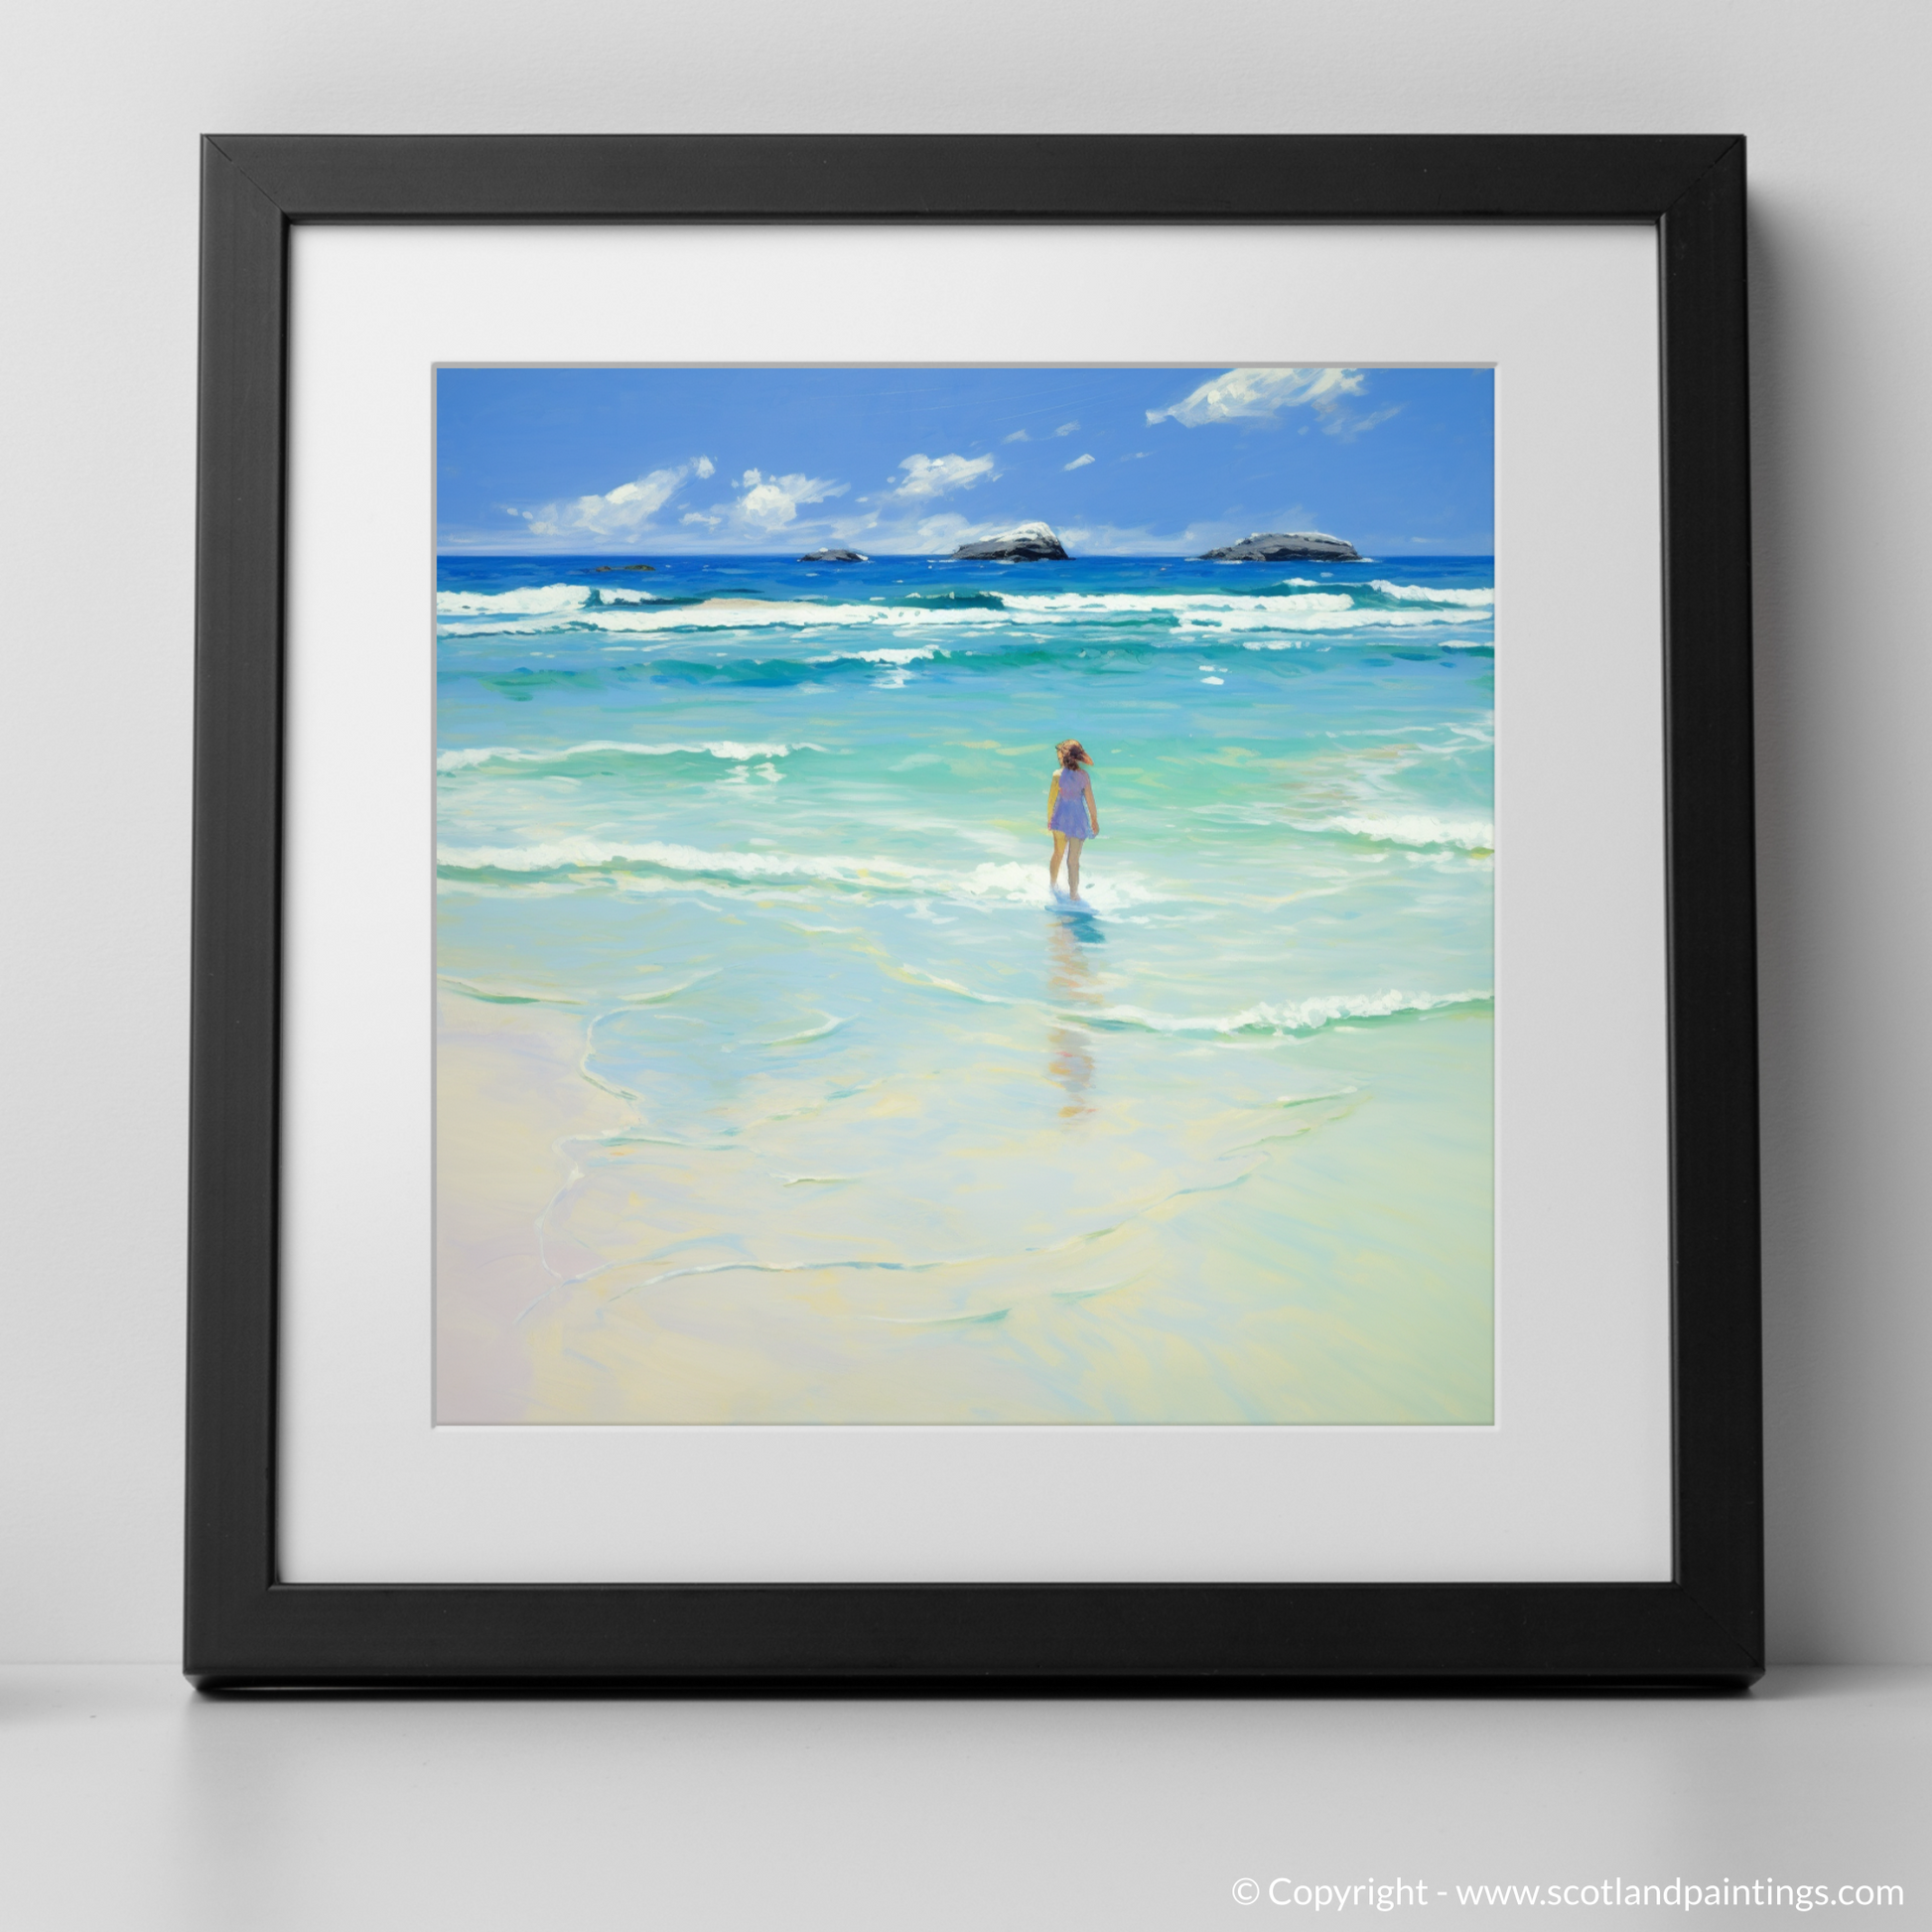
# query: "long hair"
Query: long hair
1072,753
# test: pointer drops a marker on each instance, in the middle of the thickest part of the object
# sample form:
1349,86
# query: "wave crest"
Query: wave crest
551,599
1422,594
566,608
1415,828
914,655
1291,1017
467,757
1011,880
1175,604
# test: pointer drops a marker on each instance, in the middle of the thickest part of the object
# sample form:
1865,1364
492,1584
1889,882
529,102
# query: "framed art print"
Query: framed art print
974,910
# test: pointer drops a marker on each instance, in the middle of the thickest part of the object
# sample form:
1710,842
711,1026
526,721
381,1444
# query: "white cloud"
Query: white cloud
934,535
1017,436
1112,540
1066,429
624,511
1260,394
1134,456
934,476
1079,462
769,503
1341,422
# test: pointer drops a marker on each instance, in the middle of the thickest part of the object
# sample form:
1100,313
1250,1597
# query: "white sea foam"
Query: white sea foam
1391,618
563,605
910,656
1010,881
564,855
756,613
1425,594
1270,617
1293,1016
723,747
1176,605
551,599
1415,828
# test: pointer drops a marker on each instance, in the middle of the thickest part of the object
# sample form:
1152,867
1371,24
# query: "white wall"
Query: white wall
106,102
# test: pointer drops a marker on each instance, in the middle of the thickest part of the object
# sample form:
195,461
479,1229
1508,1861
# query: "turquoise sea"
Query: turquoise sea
891,1132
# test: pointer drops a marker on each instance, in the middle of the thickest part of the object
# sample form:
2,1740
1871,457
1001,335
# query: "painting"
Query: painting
964,895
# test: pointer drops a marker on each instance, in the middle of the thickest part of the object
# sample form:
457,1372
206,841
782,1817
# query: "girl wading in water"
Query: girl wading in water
1073,814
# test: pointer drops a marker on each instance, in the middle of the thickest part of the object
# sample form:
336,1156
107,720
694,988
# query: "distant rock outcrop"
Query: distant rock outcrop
834,557
1029,543
1288,547
599,570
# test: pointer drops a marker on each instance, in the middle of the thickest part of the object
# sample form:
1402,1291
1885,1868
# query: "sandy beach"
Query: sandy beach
512,1106
589,1275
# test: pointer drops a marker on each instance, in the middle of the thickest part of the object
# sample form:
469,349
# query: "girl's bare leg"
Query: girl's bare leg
1054,870
1074,867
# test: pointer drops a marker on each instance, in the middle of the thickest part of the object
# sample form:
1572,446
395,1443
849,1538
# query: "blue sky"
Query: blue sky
1151,461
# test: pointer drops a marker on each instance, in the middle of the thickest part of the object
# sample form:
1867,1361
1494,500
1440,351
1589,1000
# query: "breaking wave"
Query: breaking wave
1415,828
1424,594
549,600
1289,1017
1155,604
469,756
1012,881
911,657
564,606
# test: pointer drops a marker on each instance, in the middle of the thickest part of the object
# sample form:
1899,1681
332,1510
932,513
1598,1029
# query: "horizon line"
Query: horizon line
947,557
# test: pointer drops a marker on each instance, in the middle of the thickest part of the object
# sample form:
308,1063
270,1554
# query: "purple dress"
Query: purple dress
1070,815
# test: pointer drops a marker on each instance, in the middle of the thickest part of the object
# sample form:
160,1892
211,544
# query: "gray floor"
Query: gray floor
126,1802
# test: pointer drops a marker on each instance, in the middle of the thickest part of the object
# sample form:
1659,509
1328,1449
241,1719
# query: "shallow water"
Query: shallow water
906,1138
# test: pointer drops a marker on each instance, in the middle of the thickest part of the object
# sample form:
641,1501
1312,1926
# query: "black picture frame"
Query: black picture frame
245,1627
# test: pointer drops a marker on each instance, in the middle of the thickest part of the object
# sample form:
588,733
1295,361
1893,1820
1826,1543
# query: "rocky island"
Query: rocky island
834,557
1285,547
599,570
1027,543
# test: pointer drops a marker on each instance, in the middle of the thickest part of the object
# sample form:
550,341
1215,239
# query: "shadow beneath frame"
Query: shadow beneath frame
950,1690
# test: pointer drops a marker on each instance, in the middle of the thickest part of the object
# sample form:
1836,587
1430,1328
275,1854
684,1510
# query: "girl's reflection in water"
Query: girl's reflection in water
1072,982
